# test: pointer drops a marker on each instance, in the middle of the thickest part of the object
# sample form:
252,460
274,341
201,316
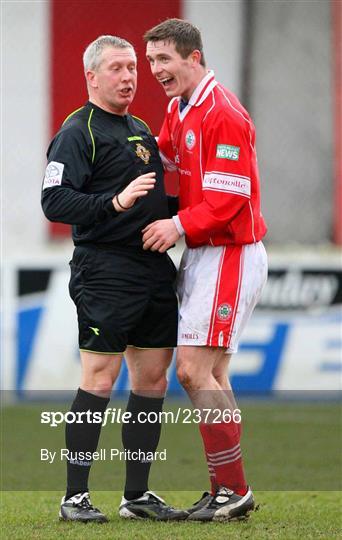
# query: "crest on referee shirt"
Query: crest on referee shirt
190,139
143,153
224,311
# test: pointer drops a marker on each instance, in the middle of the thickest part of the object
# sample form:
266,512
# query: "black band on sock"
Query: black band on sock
140,436
82,437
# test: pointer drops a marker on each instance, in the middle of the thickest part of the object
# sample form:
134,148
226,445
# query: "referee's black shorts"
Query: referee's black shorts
123,297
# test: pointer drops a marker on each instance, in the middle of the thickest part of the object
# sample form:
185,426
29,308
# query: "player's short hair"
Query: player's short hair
184,35
92,54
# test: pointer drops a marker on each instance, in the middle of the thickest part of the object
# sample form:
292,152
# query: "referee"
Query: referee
105,178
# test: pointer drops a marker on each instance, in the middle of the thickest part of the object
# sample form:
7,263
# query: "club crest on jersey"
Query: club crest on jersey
224,311
143,153
190,139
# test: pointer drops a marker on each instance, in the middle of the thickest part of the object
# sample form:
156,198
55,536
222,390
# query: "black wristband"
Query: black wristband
123,207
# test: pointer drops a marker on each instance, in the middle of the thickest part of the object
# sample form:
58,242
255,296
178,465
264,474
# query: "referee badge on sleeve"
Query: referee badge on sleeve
53,174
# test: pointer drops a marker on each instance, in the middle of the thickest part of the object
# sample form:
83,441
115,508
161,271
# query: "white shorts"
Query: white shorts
218,288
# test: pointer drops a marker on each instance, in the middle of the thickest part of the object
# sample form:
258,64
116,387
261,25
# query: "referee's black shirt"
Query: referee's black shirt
95,155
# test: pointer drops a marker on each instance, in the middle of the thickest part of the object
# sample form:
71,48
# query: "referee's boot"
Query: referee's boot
79,508
150,506
203,501
225,505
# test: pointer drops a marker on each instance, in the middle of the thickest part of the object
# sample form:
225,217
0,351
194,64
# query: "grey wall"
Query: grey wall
222,25
25,122
290,102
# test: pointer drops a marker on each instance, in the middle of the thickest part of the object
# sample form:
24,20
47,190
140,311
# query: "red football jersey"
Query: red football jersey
211,143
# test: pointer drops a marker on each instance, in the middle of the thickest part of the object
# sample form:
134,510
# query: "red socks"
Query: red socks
222,447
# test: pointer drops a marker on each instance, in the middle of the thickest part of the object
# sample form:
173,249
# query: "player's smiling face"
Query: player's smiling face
113,83
177,75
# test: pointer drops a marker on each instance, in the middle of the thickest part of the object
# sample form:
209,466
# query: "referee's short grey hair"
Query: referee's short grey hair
92,54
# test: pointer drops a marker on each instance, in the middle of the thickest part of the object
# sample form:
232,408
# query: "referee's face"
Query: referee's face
177,75
112,85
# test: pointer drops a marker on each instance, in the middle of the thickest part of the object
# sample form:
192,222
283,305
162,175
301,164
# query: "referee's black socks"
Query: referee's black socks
82,437
143,436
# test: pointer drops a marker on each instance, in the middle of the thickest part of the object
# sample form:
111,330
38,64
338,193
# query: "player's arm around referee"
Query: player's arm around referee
105,178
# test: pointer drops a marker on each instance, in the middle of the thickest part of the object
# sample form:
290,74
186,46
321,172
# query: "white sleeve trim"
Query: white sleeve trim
178,224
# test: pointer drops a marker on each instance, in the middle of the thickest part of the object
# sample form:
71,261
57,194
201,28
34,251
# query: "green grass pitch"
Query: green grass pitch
292,454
